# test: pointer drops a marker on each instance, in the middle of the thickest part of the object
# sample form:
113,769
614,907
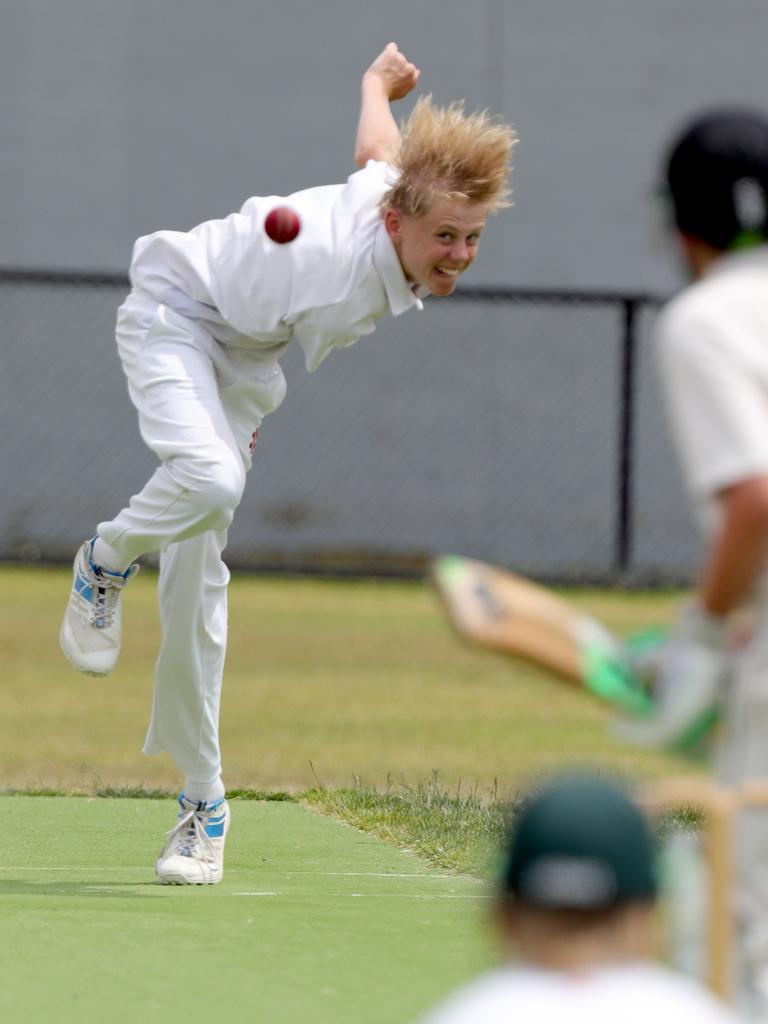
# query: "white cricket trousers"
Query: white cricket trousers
200,404
742,755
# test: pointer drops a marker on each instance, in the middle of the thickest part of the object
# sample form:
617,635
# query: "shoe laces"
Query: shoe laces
188,837
101,609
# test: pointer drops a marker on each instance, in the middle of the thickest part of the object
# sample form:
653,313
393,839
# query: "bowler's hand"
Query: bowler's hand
688,673
394,72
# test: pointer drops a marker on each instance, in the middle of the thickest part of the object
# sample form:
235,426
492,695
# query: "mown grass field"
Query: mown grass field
354,699
329,682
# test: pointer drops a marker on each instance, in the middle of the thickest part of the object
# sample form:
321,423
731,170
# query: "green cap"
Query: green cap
580,842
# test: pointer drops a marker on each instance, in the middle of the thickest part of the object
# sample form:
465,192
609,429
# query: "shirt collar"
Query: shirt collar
755,256
401,296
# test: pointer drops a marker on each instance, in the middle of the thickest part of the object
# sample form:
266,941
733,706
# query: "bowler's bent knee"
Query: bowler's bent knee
214,486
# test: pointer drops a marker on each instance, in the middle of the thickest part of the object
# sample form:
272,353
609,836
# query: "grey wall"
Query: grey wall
123,116
485,430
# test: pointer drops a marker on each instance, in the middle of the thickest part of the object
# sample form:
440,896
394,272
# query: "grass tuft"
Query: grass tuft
454,830
36,791
132,793
275,796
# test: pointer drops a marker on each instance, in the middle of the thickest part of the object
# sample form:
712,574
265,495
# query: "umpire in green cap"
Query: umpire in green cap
575,911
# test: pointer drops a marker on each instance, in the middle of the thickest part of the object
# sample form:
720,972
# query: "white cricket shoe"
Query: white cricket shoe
194,848
90,632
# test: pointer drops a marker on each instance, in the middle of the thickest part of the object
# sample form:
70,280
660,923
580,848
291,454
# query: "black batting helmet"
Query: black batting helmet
717,178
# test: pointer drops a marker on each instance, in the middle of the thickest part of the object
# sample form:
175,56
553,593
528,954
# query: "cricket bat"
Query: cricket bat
509,613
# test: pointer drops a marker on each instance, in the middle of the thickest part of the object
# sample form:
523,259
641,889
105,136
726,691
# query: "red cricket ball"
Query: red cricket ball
282,224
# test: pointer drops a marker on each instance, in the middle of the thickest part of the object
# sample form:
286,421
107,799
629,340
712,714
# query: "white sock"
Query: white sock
107,558
204,792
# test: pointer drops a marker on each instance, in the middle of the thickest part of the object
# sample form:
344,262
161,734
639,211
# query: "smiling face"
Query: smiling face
438,246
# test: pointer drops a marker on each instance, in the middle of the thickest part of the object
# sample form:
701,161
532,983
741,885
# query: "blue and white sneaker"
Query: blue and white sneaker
90,632
194,848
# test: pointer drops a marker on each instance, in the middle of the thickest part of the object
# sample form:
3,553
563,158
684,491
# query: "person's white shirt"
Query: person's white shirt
326,288
636,993
712,359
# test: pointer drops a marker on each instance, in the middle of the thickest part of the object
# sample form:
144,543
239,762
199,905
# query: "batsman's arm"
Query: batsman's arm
691,665
739,553
390,77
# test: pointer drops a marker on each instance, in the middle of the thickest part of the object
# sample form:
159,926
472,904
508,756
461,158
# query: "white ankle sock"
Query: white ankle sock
208,792
107,558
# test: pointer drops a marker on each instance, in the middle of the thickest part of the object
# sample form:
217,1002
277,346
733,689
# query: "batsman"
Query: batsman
712,357
200,337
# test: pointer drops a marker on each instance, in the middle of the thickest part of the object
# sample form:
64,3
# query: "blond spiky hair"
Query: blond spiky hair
445,152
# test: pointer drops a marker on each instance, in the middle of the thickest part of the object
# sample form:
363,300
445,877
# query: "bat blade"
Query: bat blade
509,613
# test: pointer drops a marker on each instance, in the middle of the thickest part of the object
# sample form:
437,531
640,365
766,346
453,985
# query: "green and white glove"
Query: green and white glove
686,673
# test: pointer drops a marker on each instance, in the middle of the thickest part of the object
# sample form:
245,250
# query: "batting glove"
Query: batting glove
688,674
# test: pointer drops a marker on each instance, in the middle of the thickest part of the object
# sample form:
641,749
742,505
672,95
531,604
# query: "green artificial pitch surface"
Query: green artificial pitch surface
314,921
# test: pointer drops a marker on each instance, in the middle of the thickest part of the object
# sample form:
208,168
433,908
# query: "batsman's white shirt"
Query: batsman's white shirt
712,353
326,288
635,994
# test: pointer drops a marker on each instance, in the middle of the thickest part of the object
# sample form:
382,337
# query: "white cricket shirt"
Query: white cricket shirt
326,288
712,358
634,994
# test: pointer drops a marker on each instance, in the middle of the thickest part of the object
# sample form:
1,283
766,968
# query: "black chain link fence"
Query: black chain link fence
523,428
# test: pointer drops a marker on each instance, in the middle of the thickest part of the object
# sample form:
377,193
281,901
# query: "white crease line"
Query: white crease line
254,894
104,888
28,868
374,895
373,874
